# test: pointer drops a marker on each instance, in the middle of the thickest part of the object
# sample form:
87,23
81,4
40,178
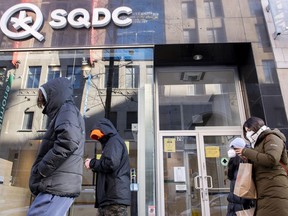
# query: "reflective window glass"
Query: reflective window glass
75,74
213,8
132,76
22,118
34,73
28,120
53,72
269,69
189,99
113,79
189,9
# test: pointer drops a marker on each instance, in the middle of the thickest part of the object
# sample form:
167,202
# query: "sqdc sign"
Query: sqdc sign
77,18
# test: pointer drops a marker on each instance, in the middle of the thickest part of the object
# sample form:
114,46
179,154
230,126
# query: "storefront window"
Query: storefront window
89,70
189,99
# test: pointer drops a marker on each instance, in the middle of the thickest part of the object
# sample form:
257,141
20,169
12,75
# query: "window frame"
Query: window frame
28,118
34,73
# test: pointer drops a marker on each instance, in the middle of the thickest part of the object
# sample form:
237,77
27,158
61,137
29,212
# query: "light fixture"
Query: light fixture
197,57
85,65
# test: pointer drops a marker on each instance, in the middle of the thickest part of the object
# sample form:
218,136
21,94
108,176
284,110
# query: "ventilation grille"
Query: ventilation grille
192,76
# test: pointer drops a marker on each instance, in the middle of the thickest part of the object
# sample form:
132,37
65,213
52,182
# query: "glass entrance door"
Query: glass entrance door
194,178
200,109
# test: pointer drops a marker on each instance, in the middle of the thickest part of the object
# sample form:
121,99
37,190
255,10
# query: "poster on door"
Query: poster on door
169,145
179,174
212,151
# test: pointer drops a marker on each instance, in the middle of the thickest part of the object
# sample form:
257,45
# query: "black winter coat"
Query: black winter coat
58,166
113,168
235,203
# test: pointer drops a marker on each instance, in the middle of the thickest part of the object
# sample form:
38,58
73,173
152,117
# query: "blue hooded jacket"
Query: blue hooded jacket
113,168
58,166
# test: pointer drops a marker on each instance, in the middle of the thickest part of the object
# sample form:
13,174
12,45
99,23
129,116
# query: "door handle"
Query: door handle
196,182
211,182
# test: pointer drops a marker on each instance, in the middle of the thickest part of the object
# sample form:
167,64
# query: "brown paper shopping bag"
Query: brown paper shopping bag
246,212
244,185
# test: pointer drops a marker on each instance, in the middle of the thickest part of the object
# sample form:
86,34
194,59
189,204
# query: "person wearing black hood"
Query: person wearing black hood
267,153
56,175
113,171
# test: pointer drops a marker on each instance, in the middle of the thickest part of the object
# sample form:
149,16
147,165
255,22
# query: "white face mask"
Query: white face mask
249,136
231,153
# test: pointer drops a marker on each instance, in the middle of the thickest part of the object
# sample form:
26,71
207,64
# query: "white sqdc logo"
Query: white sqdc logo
77,18
23,22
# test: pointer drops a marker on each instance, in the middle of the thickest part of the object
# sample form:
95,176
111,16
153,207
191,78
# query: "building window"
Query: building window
189,10
45,122
255,8
190,35
131,119
132,77
147,36
213,8
115,77
216,35
28,120
133,37
263,37
269,70
53,72
33,77
75,74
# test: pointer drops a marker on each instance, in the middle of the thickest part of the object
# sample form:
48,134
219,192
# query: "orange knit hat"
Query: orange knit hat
96,134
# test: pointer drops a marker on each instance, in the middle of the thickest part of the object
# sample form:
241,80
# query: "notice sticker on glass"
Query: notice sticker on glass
181,188
151,211
169,144
179,174
212,151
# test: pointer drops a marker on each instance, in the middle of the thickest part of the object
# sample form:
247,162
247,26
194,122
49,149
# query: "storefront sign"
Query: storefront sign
5,99
78,18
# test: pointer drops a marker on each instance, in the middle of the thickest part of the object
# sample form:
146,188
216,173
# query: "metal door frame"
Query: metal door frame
199,133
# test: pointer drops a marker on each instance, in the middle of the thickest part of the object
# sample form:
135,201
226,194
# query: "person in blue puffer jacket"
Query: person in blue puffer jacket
56,175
